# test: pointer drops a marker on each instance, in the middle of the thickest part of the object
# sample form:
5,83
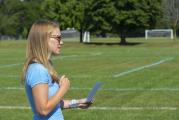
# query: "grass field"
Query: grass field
140,82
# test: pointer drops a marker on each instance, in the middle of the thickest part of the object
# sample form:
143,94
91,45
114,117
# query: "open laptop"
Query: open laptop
92,93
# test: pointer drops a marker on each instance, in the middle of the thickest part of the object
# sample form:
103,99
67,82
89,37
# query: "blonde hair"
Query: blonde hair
37,46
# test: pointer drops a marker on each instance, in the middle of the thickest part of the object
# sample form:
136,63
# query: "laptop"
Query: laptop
92,93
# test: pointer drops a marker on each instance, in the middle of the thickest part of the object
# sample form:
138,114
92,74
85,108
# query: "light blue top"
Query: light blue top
37,74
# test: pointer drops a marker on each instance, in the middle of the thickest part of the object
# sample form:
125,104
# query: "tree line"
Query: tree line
100,17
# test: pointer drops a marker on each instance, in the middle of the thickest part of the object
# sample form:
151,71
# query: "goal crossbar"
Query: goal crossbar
159,33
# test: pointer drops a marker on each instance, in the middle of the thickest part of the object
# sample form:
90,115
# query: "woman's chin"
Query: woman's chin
56,53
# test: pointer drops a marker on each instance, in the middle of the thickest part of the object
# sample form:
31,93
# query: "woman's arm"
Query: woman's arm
40,93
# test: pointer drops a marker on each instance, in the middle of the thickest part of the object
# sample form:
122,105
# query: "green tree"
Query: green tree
134,14
31,13
17,16
98,16
9,17
122,16
69,13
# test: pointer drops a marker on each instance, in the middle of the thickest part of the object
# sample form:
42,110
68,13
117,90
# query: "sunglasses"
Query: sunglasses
57,37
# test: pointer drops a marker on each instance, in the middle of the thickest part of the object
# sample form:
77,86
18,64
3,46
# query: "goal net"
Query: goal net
159,33
70,34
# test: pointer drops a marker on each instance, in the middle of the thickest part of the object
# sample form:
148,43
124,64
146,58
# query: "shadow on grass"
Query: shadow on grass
112,43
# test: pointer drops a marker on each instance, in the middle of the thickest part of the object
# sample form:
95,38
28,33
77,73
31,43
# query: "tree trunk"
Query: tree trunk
174,32
123,38
103,34
81,34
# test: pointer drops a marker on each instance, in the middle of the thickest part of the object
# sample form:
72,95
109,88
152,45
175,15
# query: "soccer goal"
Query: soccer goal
159,34
70,34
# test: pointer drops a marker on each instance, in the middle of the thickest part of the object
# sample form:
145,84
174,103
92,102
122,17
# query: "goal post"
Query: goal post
159,33
86,37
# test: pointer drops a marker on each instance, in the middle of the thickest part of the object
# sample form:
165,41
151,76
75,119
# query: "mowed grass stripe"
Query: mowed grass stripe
100,108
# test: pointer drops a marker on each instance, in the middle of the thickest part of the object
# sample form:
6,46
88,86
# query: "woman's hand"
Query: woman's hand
83,104
64,84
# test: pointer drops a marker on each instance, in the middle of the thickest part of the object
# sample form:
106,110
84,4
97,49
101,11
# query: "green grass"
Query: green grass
149,88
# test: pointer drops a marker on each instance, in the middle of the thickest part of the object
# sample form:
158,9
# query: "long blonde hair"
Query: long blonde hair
37,46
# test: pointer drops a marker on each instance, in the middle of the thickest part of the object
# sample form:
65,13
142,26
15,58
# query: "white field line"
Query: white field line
9,76
15,107
101,108
142,67
10,65
96,54
71,76
75,56
109,89
133,108
62,57
130,89
55,58
11,88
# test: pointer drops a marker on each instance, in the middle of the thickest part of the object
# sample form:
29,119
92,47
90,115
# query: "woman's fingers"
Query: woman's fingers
64,83
84,105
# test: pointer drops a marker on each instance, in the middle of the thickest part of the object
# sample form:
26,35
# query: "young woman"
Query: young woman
44,89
